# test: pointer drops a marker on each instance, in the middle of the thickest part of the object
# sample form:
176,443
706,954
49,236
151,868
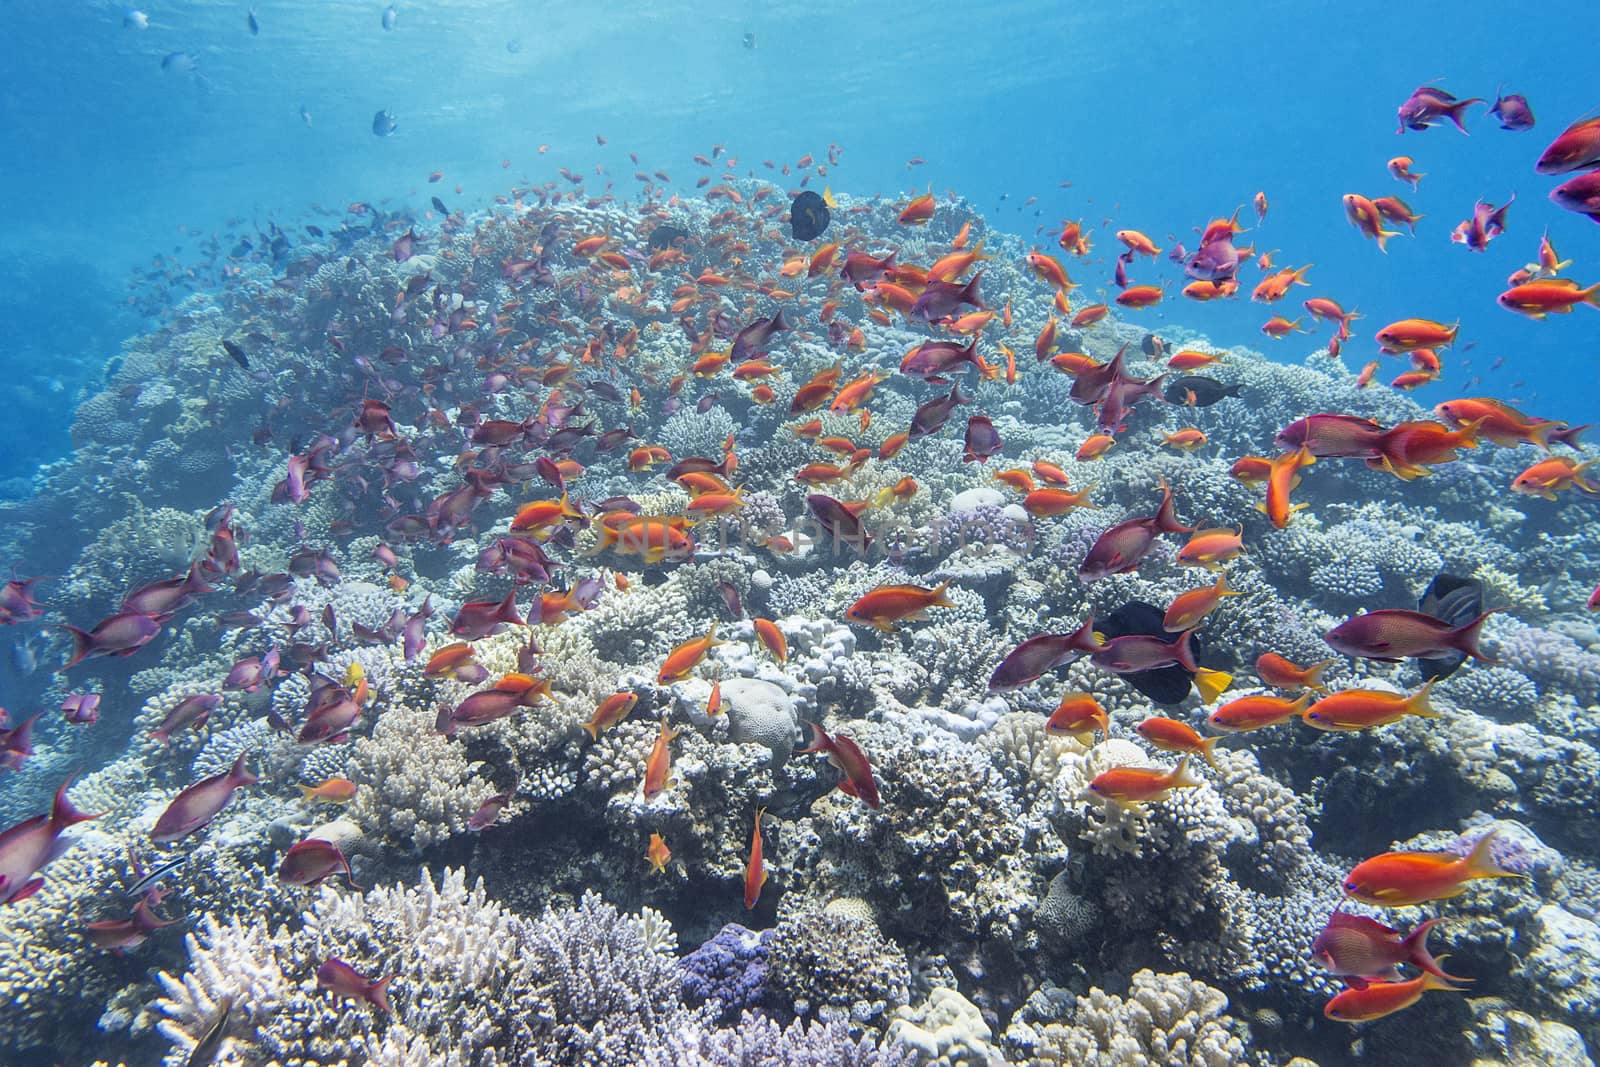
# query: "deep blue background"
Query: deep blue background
1160,115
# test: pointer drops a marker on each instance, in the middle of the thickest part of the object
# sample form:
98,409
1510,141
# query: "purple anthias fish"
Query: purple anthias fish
1581,194
982,440
16,601
120,935
253,672
861,270
1122,548
1359,949
332,713
30,846
1093,384
197,805
940,300
162,599
934,359
16,744
754,339
730,598
1039,655
405,246
1513,111
119,635
930,417
343,980
192,712
485,618
520,557
1215,261
839,523
488,705
489,811
1120,398
1395,634
1333,436
81,709
1428,104
1133,653
414,633
1487,223
313,860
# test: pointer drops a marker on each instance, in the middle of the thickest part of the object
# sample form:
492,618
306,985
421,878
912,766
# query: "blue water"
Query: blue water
1161,116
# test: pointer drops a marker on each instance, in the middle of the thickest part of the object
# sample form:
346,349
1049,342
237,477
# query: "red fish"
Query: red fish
1394,634
311,861
1358,948
846,755
343,980
755,869
1378,999
1121,548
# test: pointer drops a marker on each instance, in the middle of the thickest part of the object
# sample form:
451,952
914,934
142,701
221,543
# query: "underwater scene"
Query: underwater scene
799,534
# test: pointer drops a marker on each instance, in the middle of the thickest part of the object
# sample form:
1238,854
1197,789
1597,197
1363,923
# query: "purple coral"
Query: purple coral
985,524
727,973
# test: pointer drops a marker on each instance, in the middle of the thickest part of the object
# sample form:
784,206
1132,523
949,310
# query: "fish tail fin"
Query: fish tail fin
1465,639
939,600
1591,295
378,994
1416,946
63,813
969,292
1453,112
1314,675
1382,237
1207,751
1167,516
1568,435
1183,777
1480,862
82,644
1211,683
1433,982
593,730
1183,650
820,741
1417,703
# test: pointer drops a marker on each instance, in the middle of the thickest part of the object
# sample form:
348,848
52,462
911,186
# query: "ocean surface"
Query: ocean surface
314,311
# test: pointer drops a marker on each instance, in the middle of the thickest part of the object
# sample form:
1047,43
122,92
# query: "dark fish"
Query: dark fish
752,341
1513,111
982,440
205,1050
1163,685
1196,390
808,215
254,24
1455,601
315,231
943,299
730,598
1153,345
664,236
237,353
438,205
383,123
749,41
930,417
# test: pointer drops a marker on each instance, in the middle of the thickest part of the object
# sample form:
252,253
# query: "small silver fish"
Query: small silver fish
177,63
391,15
134,19
305,114
383,123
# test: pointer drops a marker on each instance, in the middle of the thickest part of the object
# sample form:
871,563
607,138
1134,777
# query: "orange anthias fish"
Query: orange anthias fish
1350,710
919,211
1398,879
1095,447
1185,440
1049,270
1275,286
1274,670
755,869
1050,501
612,710
1190,359
1550,476
1213,547
658,767
1504,424
687,656
1407,335
1138,242
329,791
886,606
1170,735
1257,712
1548,296
1049,472
1365,216
1132,786
1188,608
659,854
1251,470
1281,480
1377,999
771,639
1090,315
1078,716
1279,327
